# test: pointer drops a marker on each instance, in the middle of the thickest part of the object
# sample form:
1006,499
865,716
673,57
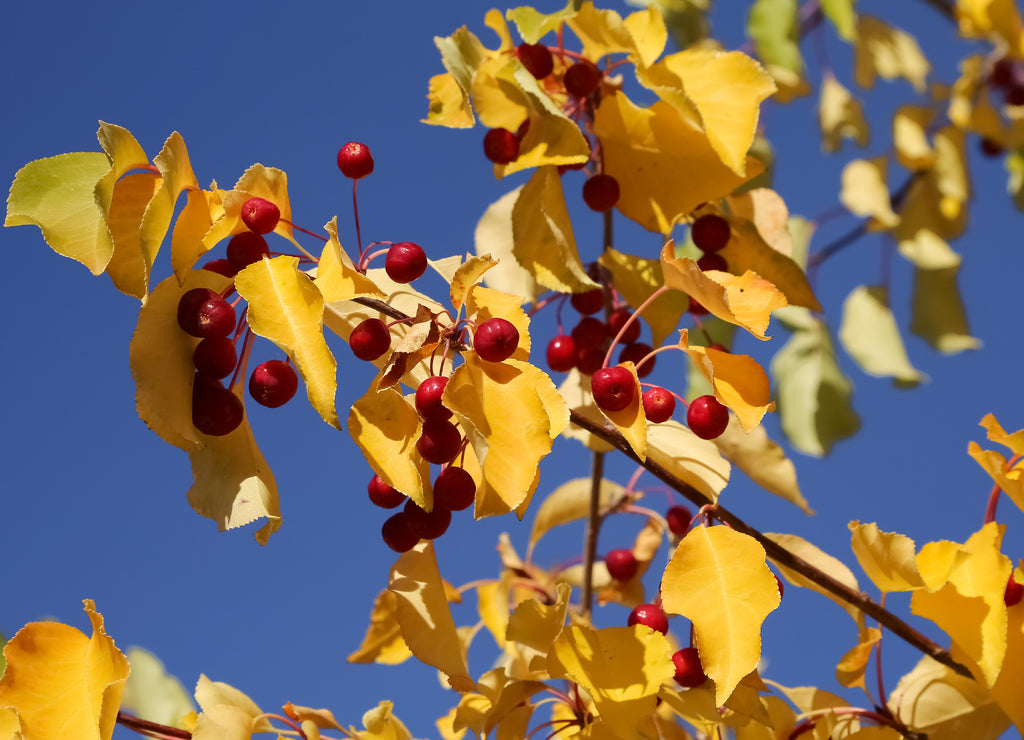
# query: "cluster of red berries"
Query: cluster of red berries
585,346
710,234
689,672
1007,75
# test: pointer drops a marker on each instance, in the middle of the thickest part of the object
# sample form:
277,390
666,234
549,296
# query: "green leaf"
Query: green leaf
870,335
532,24
842,16
775,29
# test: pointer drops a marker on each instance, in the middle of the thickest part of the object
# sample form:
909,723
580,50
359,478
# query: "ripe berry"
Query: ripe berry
405,262
454,489
246,248
659,404
613,387
689,671
204,313
537,59
496,339
427,524
439,441
589,333
370,339
678,518
621,564
713,261
710,233
561,354
649,615
581,79
216,411
601,193
260,215
990,147
215,357
397,534
589,302
696,308
706,417
635,353
617,320
1015,92
589,360
1002,73
501,146
1014,592
273,383
354,160
428,398
221,267
383,495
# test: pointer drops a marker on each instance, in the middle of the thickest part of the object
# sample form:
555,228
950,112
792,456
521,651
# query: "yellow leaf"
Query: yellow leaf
228,714
449,103
501,697
423,614
865,191
336,276
130,263
535,625
381,724
983,18
718,579
938,311
870,335
823,562
888,52
853,665
532,24
937,560
631,421
696,461
1006,689
321,718
494,236
568,503
383,641
840,116
153,693
636,279
492,606
575,389
602,32
286,308
193,222
466,277
952,174
175,169
886,557
910,135
258,181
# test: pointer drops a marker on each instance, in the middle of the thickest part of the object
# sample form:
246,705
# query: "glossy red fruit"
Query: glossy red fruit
428,398
710,232
383,495
706,417
696,308
561,354
617,320
454,489
589,302
713,261
439,441
635,353
405,262
370,339
397,534
689,671
537,59
621,564
990,147
215,357
204,313
601,193
1014,592
1015,92
273,383
355,161
589,333
216,411
589,360
1002,73
649,615
260,215
614,388
582,79
246,248
678,518
495,340
427,524
501,146
659,404
221,267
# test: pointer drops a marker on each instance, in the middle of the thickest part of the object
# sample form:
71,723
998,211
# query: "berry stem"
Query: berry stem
634,509
321,237
355,212
288,721
631,319
993,497
243,356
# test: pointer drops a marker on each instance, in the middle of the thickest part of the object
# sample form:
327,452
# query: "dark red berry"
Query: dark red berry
215,357
204,313
397,534
636,352
383,495
1002,72
561,354
601,193
405,262
710,233
354,160
582,79
221,267
706,417
370,339
621,564
649,615
1015,93
260,215
523,129
537,59
589,333
216,411
1014,592
713,261
439,441
659,404
589,360
501,146
454,489
990,147
689,671
589,302
697,308
246,248
428,398
273,383
718,347
614,388
617,320
495,340
427,524
678,518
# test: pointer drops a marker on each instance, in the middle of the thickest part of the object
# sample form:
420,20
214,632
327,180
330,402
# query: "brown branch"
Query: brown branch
594,520
152,729
776,552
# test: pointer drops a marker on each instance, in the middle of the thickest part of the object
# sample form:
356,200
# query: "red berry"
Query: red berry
221,267
617,320
706,417
589,333
439,441
710,233
204,313
990,147
1014,592
601,193
678,518
405,262
635,353
215,357
778,582
581,79
523,129
496,339
659,404
454,489
696,308
246,248
427,524
428,398
397,534
621,564
260,215
273,383
354,160
370,339
561,354
718,347
383,495
537,59
1002,73
649,615
713,261
589,302
614,388
589,360
689,671
1015,93
216,411
501,146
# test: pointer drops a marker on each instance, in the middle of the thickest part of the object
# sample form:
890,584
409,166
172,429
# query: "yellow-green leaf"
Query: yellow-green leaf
774,28
840,116
865,191
494,236
938,314
152,693
568,503
532,24
869,333
842,16
887,557
739,381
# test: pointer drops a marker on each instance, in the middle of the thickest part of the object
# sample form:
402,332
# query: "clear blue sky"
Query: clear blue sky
94,504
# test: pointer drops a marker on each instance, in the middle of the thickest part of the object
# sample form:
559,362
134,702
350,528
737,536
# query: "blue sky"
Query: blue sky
95,504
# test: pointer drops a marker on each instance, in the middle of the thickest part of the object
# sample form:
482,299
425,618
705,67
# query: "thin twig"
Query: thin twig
593,528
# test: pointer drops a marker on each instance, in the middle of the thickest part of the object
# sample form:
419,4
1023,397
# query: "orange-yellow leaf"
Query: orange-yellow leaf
62,684
336,276
840,116
697,461
535,625
258,181
823,562
228,714
193,222
467,276
853,665
636,279
494,236
886,557
383,641
175,169
1006,689
130,263
888,52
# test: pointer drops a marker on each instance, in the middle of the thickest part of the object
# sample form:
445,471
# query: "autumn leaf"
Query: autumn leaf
840,116
494,236
853,665
642,34
824,563
228,714
258,181
869,333
1006,476
888,52
383,641
152,693
865,191
887,558
535,625
176,177
637,279
336,276
690,458
774,28
568,503
130,264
